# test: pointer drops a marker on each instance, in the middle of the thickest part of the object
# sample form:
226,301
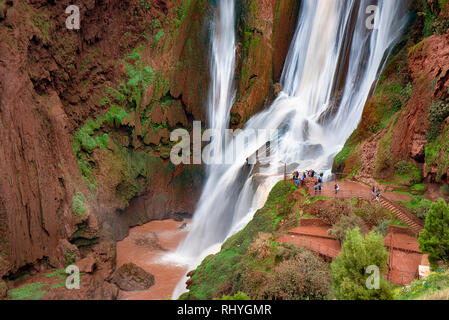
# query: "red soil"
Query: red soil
165,236
350,189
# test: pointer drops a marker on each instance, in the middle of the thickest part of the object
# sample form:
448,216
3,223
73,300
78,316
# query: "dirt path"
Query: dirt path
351,189
144,246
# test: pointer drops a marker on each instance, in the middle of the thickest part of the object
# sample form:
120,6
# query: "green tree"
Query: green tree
349,271
434,240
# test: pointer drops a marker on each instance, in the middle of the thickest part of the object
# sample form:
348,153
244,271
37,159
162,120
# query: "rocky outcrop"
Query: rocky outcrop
37,160
130,277
398,128
84,153
87,265
266,29
52,82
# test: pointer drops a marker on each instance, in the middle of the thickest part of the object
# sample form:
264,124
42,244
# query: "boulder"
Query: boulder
130,277
88,264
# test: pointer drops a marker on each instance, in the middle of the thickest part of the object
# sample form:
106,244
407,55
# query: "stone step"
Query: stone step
399,213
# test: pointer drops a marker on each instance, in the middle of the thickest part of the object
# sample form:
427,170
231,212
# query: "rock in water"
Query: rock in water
130,277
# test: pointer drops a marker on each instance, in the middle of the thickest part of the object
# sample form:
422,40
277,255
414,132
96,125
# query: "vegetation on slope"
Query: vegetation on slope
433,287
253,263
405,96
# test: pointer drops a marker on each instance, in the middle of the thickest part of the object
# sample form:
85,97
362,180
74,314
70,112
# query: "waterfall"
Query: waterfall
333,64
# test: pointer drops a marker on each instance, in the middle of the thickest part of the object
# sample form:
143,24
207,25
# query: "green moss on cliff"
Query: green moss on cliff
437,155
79,204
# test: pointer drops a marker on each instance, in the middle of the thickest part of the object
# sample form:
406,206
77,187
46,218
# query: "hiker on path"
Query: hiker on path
316,188
373,194
378,197
337,188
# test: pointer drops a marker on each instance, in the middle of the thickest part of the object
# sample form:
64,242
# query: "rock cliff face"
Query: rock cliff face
266,28
403,134
86,116
66,178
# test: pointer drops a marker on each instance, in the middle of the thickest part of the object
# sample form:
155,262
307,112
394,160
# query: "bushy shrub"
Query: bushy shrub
345,224
372,213
330,211
304,277
439,111
383,227
261,247
408,172
419,207
402,167
78,204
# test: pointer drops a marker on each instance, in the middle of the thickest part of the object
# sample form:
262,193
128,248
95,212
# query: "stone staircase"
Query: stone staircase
413,222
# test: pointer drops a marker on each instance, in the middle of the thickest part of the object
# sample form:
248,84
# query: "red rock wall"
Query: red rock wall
48,88
51,82
266,30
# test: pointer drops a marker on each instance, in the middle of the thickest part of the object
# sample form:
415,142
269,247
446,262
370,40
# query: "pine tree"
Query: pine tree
434,240
350,270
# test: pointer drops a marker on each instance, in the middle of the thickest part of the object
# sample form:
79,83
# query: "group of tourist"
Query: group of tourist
375,194
309,174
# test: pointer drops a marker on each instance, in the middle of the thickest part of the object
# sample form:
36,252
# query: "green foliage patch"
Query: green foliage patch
31,291
434,240
437,154
408,173
79,204
422,288
349,270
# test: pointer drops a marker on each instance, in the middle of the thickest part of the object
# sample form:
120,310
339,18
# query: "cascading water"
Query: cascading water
332,66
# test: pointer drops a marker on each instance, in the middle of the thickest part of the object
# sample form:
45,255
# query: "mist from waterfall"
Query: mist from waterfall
332,66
